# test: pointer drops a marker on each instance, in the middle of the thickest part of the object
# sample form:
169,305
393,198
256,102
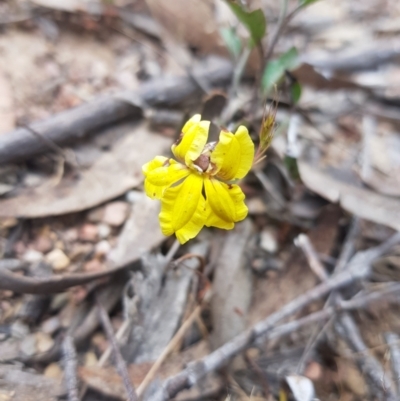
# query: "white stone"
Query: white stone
32,256
103,230
268,240
58,259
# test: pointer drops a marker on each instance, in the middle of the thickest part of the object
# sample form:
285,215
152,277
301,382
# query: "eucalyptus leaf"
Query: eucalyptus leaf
232,41
254,21
275,69
305,3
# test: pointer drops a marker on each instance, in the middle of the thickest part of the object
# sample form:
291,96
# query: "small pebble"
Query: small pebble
104,230
268,240
53,371
28,345
115,213
256,206
314,371
32,256
102,248
43,342
58,259
134,196
43,244
88,232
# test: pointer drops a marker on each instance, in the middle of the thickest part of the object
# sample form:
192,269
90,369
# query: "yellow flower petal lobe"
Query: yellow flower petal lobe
158,161
225,204
183,209
192,140
160,173
233,154
153,191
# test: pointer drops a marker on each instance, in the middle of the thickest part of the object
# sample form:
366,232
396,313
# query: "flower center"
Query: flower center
202,162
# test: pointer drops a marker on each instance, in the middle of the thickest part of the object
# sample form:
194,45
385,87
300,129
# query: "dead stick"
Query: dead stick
70,366
316,266
347,251
390,292
119,361
377,380
49,285
167,350
393,341
76,123
359,268
347,328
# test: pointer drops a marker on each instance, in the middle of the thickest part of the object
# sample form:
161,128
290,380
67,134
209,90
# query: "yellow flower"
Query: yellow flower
197,189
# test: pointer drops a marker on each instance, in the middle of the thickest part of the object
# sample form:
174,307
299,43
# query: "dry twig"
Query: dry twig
358,268
70,366
170,347
119,361
76,123
379,385
49,285
393,341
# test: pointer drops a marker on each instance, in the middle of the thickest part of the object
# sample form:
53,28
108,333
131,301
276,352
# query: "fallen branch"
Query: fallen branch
76,123
119,361
70,366
390,292
358,268
393,342
49,285
109,295
176,339
346,327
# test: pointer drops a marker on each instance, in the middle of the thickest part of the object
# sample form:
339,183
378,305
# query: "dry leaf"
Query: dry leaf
384,176
360,201
140,234
301,387
113,173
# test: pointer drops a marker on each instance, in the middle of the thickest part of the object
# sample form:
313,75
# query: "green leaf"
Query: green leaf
275,69
295,91
254,21
272,74
305,3
232,41
290,59
292,167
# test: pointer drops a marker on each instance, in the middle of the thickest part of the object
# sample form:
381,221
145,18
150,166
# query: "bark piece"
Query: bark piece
161,307
232,286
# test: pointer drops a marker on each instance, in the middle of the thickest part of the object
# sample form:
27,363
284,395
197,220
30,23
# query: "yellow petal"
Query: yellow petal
183,209
192,140
233,154
158,161
225,204
160,173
